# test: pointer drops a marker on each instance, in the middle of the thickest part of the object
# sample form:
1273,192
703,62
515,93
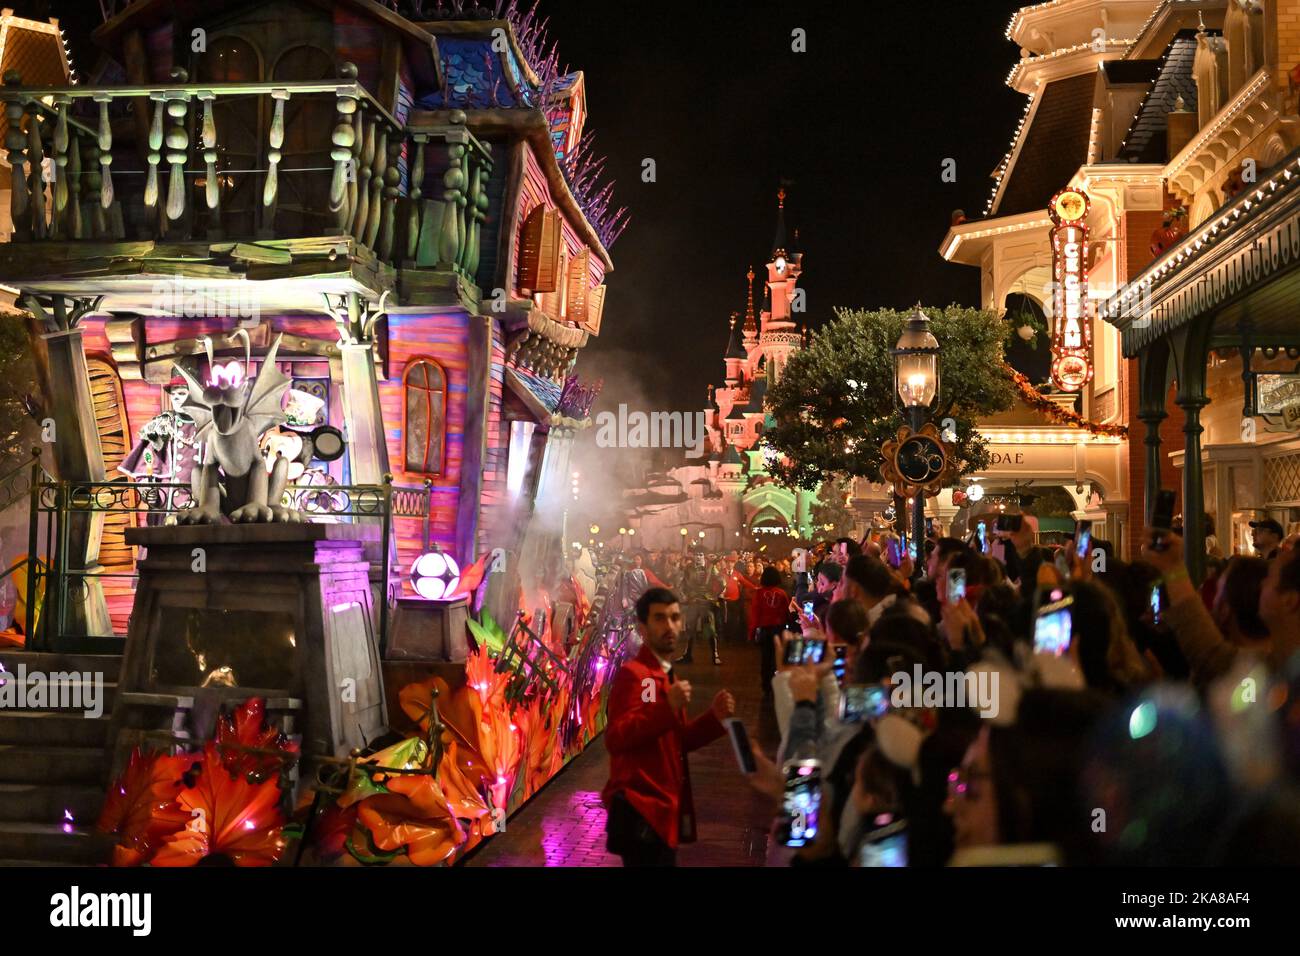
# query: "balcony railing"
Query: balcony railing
236,161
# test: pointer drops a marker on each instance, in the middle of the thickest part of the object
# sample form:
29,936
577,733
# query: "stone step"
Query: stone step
52,765
49,844
60,728
107,664
43,803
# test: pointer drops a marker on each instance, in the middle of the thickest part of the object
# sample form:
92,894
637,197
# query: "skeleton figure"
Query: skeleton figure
232,413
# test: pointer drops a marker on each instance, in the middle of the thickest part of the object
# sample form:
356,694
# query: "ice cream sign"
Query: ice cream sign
1072,335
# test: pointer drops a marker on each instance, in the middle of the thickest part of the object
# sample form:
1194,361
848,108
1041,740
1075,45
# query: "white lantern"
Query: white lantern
435,575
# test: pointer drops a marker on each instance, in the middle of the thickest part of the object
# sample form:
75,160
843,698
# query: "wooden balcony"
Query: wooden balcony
114,187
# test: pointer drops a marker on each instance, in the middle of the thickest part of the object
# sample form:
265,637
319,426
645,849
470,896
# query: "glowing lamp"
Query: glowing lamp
685,532
916,363
435,575
975,492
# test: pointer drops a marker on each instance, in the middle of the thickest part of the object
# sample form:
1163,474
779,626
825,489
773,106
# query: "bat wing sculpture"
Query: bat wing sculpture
232,414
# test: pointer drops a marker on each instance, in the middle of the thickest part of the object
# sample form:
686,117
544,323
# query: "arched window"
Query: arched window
424,417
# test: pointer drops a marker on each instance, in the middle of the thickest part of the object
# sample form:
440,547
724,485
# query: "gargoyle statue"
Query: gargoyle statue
232,413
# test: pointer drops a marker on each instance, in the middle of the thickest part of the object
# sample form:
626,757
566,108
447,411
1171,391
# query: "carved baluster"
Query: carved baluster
363,174
16,144
211,178
98,225
105,151
417,194
275,140
358,140
155,152
58,223
392,179
377,185
178,144
344,139
36,175
453,194
478,213
75,227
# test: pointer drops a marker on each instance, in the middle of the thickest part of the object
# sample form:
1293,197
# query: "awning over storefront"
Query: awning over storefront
1239,266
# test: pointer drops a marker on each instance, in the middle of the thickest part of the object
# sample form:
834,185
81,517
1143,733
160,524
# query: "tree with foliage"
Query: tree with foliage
831,515
18,430
835,404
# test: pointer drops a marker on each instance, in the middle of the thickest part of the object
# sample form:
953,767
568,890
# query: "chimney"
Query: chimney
1180,129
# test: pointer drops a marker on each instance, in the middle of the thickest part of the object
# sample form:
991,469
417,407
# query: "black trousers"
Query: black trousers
767,657
629,835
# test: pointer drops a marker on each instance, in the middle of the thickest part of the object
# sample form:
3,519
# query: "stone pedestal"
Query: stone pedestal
227,612
428,631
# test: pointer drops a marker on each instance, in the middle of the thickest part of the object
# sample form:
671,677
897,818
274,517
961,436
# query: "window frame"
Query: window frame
411,365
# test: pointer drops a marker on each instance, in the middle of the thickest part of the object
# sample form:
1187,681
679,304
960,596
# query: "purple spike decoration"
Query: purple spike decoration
576,399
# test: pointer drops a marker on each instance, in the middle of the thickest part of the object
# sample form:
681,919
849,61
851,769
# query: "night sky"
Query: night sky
712,91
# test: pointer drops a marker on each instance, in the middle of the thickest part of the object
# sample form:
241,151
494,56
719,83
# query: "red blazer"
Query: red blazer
648,743
770,608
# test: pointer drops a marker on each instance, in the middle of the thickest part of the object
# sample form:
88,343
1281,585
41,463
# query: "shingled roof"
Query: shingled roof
1145,141
1053,147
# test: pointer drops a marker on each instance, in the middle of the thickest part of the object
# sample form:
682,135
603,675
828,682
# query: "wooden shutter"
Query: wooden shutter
539,252
115,555
595,310
576,305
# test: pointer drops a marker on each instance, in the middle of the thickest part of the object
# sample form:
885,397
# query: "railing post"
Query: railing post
155,155
61,565
392,179
385,544
275,140
344,140
178,144
36,172
377,185
363,174
97,227
75,227
58,222
29,625
105,151
211,183
16,144
416,192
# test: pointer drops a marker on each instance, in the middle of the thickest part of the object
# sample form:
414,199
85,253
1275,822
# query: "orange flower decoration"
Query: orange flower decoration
226,815
247,728
414,814
141,808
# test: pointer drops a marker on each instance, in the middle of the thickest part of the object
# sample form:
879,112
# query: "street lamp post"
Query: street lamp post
916,380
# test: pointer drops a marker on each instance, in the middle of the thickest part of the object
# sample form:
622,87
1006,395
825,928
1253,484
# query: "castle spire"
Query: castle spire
751,325
778,243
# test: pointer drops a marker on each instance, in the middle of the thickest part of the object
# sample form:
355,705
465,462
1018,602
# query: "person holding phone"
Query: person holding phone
1208,652
769,610
648,735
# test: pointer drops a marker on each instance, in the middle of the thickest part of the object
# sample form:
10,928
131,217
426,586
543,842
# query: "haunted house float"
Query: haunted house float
401,195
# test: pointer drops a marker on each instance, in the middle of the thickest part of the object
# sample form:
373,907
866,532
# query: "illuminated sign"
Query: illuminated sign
1072,336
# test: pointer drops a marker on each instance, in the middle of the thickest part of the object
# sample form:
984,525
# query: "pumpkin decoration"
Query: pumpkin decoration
1172,231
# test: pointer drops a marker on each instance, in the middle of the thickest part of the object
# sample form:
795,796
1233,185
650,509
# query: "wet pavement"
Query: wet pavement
564,825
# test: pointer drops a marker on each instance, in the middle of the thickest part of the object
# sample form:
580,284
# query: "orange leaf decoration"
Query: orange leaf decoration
141,808
226,815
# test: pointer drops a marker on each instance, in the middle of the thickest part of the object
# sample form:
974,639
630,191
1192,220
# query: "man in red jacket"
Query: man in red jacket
648,736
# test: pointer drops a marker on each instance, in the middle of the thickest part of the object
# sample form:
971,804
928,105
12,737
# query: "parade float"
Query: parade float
306,301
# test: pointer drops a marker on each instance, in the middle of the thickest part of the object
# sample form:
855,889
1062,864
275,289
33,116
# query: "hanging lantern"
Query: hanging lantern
435,575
